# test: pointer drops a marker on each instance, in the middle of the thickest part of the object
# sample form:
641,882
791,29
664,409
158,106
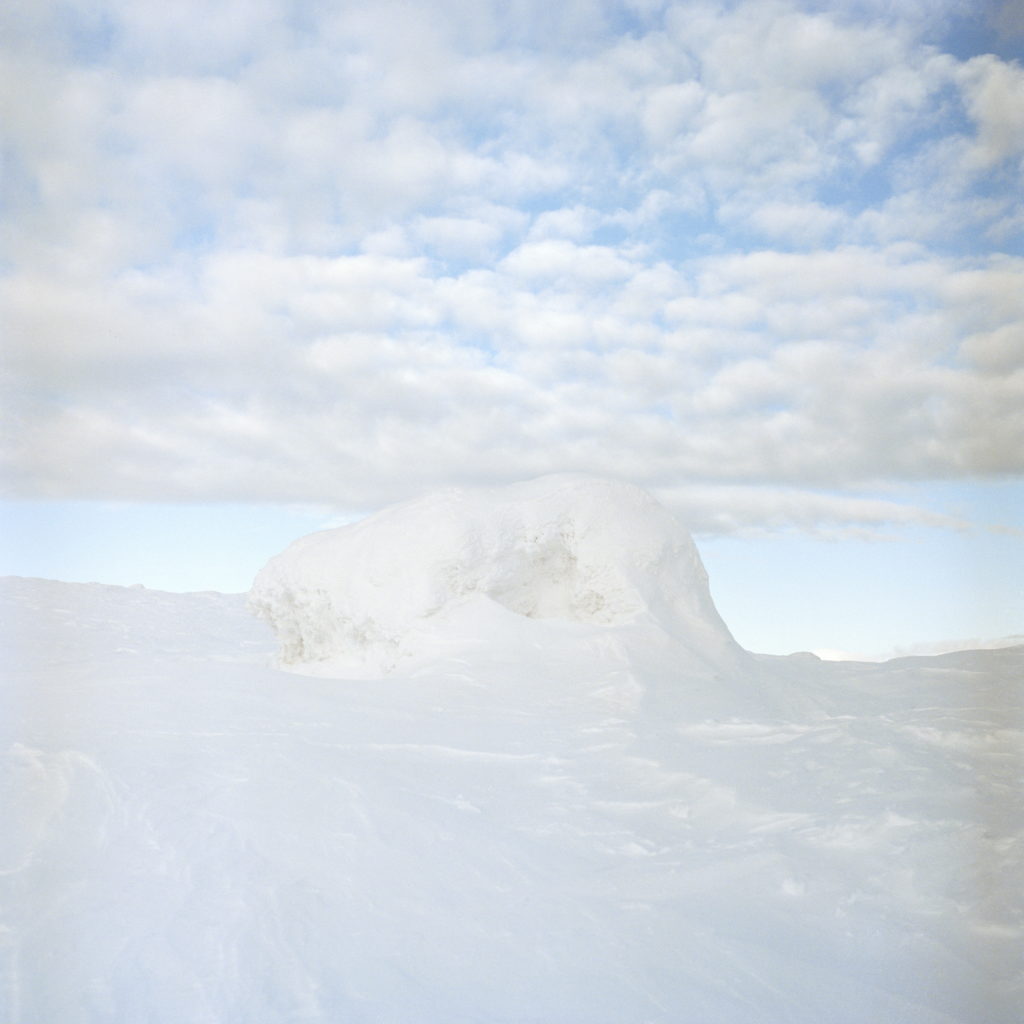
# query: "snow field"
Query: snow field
523,832
526,777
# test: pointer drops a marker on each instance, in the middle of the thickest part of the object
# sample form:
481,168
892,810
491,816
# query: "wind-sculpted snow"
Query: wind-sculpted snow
560,822
363,598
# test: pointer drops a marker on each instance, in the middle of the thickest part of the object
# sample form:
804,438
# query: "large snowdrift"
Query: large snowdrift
364,598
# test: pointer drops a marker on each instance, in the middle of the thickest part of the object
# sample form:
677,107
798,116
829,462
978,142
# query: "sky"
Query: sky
269,266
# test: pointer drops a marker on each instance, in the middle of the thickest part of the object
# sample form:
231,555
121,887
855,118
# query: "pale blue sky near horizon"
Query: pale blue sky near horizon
266,264
919,589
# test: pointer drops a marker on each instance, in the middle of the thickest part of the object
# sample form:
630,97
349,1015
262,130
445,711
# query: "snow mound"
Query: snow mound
363,597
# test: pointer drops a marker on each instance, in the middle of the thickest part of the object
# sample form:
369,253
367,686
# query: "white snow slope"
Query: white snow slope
567,818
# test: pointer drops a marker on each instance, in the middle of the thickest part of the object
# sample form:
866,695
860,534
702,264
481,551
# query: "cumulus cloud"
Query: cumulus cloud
340,255
994,93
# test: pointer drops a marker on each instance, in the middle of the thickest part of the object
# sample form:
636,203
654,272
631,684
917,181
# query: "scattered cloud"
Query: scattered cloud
994,97
762,257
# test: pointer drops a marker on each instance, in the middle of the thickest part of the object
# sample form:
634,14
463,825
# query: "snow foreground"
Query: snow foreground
564,822
365,598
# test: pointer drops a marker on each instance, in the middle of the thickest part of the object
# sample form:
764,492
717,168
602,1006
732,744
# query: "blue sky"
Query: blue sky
270,265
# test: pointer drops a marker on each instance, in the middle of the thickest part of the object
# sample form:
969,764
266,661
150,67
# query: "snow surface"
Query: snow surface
571,818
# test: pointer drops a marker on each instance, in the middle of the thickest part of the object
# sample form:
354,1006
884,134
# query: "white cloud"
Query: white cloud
723,508
341,254
205,128
459,237
574,224
670,110
799,223
891,102
994,92
559,262
996,351
348,358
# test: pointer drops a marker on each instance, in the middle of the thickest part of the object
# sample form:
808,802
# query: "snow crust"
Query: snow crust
365,597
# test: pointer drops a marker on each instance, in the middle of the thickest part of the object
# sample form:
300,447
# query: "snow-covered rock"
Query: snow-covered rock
362,598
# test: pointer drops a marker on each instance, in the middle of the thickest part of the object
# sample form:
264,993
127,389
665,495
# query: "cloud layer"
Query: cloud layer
764,257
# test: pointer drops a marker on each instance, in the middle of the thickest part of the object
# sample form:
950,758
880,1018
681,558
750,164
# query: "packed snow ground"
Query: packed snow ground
525,820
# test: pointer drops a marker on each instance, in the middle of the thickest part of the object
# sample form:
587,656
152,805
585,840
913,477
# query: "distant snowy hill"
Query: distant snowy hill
547,811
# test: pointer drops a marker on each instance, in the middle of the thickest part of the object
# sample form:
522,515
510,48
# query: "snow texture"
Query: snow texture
574,817
363,598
